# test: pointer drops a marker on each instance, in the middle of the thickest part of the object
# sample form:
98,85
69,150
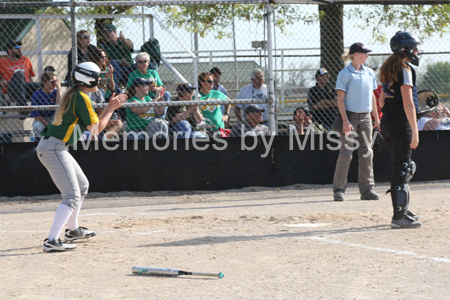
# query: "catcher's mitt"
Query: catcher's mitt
428,102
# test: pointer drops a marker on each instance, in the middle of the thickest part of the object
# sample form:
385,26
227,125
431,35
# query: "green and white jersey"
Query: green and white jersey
213,112
150,74
139,122
80,112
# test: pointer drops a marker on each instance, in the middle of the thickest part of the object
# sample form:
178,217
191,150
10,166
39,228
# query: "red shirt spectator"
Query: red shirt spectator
377,93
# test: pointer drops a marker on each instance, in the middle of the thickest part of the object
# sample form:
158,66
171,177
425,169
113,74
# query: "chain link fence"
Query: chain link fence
293,57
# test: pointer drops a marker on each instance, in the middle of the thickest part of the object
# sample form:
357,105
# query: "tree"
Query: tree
218,17
423,20
98,24
331,39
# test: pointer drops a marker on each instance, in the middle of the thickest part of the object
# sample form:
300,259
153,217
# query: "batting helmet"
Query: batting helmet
86,74
405,42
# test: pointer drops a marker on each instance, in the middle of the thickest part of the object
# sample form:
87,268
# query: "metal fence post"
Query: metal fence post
39,45
270,72
73,30
282,78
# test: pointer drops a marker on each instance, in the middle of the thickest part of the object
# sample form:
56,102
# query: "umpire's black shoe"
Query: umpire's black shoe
370,195
57,245
339,196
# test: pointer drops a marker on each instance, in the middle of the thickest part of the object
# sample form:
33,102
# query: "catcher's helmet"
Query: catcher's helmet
428,102
404,42
86,74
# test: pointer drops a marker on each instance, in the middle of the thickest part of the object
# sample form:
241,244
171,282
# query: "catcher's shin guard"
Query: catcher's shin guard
400,193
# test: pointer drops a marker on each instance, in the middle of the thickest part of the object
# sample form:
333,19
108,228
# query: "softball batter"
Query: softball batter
74,114
399,105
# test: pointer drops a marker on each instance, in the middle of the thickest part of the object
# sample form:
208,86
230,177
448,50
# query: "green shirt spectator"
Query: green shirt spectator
213,112
136,121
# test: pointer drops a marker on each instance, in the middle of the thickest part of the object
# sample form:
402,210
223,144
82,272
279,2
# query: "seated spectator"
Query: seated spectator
106,83
50,70
255,90
212,113
303,122
142,121
119,52
15,75
436,120
218,87
49,94
151,47
84,46
183,121
322,99
252,124
114,124
142,61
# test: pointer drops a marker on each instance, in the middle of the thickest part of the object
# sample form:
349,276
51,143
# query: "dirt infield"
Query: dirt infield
271,243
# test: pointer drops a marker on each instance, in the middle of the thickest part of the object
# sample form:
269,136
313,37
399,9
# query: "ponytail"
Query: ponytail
63,105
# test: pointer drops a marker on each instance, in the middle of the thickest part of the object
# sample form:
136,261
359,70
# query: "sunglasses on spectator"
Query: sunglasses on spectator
142,61
208,81
104,56
86,37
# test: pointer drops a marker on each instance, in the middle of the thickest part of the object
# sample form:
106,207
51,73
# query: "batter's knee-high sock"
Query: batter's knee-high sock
61,216
72,223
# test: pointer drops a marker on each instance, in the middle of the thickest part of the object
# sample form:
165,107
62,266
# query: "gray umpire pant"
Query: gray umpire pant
362,124
64,170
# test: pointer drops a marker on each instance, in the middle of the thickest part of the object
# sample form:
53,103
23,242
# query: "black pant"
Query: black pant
397,135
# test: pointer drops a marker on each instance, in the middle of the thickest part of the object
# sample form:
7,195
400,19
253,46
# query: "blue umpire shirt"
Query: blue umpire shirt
358,87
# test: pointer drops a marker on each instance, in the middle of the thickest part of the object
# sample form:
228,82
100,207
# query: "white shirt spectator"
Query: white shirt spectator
249,92
445,123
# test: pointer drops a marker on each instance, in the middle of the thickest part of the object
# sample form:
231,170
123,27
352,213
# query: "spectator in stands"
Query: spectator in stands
256,90
106,85
142,61
436,120
50,70
119,52
252,124
183,120
151,47
218,87
212,113
303,121
84,46
15,75
114,124
142,120
322,100
49,94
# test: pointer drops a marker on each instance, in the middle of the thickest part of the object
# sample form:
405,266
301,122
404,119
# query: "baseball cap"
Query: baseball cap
215,70
358,47
321,72
50,69
185,87
253,108
109,27
141,81
13,44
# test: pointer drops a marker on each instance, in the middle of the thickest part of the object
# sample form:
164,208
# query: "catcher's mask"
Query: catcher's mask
428,102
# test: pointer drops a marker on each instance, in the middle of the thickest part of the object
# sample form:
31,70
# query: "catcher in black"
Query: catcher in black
399,104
